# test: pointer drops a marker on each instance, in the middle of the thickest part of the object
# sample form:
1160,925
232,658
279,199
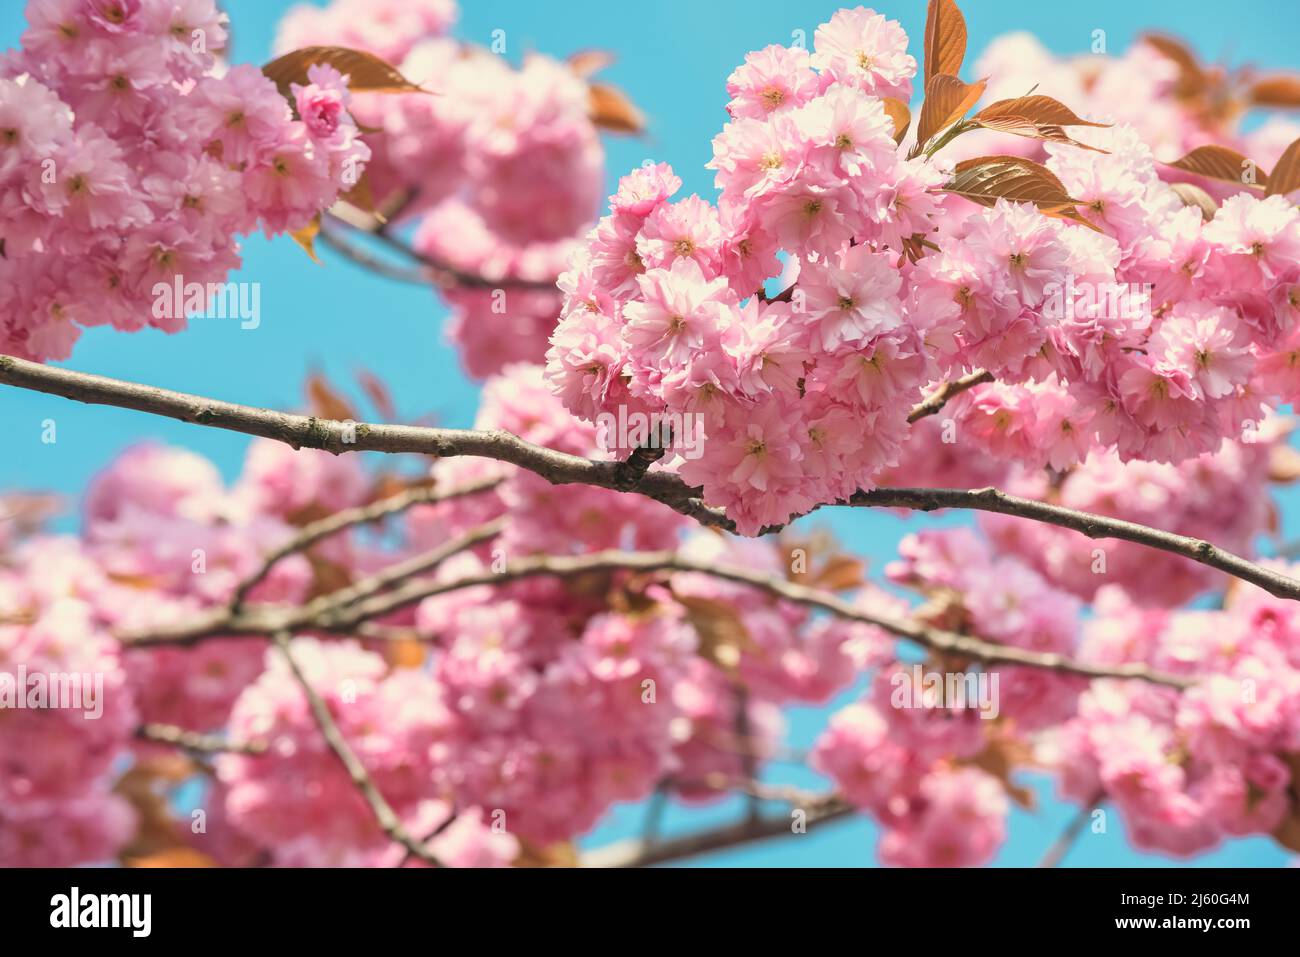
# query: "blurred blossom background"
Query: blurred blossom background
672,58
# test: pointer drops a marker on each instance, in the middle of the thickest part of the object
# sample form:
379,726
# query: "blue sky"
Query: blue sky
673,58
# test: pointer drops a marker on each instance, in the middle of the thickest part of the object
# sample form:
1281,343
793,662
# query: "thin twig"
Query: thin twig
344,618
315,532
745,738
197,742
447,822
320,609
1062,845
385,816
435,271
937,399
636,853
336,239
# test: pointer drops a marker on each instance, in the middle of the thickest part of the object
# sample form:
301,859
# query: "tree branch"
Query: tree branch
939,398
328,614
335,239
636,853
195,741
560,468
435,271
384,814
321,609
301,431
1062,845
1093,526
317,531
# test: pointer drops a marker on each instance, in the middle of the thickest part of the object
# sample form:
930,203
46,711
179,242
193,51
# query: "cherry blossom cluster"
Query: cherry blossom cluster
537,705
1137,329
1185,769
563,700
1188,771
923,765
502,169
129,160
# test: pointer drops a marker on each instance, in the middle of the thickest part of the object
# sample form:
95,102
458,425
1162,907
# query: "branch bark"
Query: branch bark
317,531
939,398
434,272
636,853
196,741
1093,526
1063,844
560,468
345,614
385,816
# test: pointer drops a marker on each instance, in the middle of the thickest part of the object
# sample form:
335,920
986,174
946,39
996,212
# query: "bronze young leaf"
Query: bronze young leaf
366,72
945,39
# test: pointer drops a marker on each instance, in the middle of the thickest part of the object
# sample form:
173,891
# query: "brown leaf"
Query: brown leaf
1023,126
722,634
945,39
1074,216
946,101
563,854
1287,833
1192,78
29,511
1037,109
611,109
1193,195
1221,163
135,580
1019,125
1281,91
1286,174
327,576
840,573
365,71
900,114
587,63
405,653
999,760
1035,117
1283,464
306,238
797,553
327,402
141,786
172,857
361,196
388,484
986,179
378,393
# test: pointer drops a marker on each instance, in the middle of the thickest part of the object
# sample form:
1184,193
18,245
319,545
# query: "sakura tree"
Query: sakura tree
1065,296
